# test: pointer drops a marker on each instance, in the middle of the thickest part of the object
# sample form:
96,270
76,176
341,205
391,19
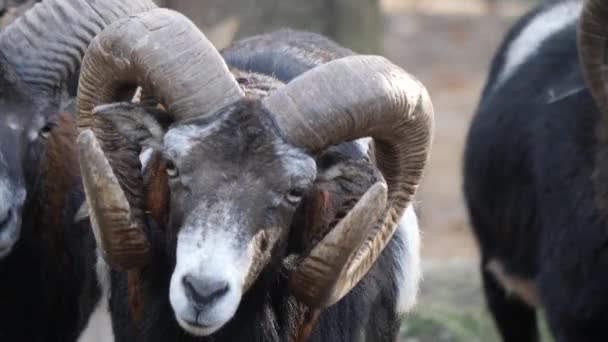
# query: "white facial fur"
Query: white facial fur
208,247
539,29
14,124
180,140
33,133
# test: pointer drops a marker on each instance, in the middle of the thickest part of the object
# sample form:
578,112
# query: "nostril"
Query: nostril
204,291
6,217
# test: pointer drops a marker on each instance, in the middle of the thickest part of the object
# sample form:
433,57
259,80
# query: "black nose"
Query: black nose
5,218
204,291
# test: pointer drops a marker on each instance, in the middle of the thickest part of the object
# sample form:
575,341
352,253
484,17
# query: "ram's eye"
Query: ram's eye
171,169
294,196
45,131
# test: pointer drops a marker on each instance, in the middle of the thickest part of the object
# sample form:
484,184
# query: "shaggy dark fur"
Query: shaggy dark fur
529,162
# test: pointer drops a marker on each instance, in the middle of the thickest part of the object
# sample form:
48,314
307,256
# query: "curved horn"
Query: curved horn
48,42
104,195
346,99
164,52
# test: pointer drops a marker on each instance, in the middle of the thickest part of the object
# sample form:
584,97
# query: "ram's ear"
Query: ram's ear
143,126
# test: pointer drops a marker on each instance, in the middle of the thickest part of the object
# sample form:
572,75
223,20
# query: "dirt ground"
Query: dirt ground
449,49
448,45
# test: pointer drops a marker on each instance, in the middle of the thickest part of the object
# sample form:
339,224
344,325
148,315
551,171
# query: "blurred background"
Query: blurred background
448,45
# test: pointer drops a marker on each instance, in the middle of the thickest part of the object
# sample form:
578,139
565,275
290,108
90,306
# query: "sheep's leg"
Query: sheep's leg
516,320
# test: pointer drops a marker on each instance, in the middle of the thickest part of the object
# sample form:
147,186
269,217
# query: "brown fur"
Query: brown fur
156,201
156,193
320,214
61,166
136,302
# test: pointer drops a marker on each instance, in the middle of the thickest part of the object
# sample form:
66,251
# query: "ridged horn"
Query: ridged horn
47,43
343,100
104,195
162,51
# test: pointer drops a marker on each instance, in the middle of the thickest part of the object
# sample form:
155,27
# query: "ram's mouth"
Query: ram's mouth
197,325
196,328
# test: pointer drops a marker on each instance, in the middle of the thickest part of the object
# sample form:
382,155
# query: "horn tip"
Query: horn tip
86,137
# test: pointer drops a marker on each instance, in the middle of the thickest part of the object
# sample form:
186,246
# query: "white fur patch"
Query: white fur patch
145,156
33,133
523,288
13,123
410,271
333,172
208,248
137,96
363,144
99,327
180,140
539,29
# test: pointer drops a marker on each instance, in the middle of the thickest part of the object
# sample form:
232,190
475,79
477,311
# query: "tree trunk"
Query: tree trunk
356,24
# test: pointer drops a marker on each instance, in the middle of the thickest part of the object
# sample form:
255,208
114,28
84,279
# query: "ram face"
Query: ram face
240,162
